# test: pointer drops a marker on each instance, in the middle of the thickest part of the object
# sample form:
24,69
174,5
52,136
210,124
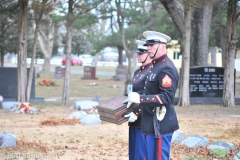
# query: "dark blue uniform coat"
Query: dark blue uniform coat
137,148
138,82
160,87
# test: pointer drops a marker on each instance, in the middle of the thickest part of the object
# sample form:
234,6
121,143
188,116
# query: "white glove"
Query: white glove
133,97
132,117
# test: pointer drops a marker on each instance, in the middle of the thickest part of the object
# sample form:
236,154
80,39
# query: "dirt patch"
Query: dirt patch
108,141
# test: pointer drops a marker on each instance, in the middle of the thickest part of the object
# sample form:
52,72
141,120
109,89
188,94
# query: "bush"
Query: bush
218,152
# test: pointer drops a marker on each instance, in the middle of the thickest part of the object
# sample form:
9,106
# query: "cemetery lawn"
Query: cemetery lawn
62,140
109,141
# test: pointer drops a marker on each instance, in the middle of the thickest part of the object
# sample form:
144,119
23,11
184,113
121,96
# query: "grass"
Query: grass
219,152
79,89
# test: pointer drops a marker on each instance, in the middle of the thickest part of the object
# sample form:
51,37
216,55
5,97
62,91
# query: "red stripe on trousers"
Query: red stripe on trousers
159,148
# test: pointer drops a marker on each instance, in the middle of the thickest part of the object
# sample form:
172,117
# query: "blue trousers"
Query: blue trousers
158,148
136,149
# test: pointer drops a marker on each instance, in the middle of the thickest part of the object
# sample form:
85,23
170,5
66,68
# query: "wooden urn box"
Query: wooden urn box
113,110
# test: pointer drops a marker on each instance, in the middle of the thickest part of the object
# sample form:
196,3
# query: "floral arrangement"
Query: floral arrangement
24,108
46,82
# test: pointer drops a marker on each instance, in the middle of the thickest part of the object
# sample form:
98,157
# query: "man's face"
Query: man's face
152,49
141,57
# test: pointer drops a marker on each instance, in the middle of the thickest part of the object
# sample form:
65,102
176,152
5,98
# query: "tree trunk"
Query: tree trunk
222,30
120,55
2,26
103,28
228,91
46,44
184,80
213,56
32,67
129,54
175,13
202,20
48,55
22,52
194,39
66,85
223,37
30,76
1,57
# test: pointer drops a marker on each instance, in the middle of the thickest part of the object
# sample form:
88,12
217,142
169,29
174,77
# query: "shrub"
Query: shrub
218,152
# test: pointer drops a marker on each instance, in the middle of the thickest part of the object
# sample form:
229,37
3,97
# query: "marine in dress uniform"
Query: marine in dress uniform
137,149
159,119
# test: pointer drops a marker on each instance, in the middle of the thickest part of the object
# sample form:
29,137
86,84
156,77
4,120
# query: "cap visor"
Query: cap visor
141,51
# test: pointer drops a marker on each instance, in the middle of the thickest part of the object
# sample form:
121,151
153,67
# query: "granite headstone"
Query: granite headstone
8,85
206,81
195,141
221,145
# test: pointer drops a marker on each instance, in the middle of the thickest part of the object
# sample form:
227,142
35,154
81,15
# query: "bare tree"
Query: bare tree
175,10
129,53
231,40
80,8
222,28
66,85
200,35
184,28
46,39
184,80
22,51
39,9
102,29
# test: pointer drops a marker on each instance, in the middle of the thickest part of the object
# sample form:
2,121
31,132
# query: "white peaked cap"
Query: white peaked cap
152,35
140,44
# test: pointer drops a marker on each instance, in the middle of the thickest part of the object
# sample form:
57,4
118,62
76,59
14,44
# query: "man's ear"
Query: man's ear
163,45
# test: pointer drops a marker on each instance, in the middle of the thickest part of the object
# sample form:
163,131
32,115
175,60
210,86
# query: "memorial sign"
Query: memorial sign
206,81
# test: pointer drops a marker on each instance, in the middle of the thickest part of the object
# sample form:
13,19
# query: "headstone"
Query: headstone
89,72
7,140
206,81
91,119
77,115
178,136
37,71
59,72
121,72
221,145
195,141
85,104
237,156
9,104
8,85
